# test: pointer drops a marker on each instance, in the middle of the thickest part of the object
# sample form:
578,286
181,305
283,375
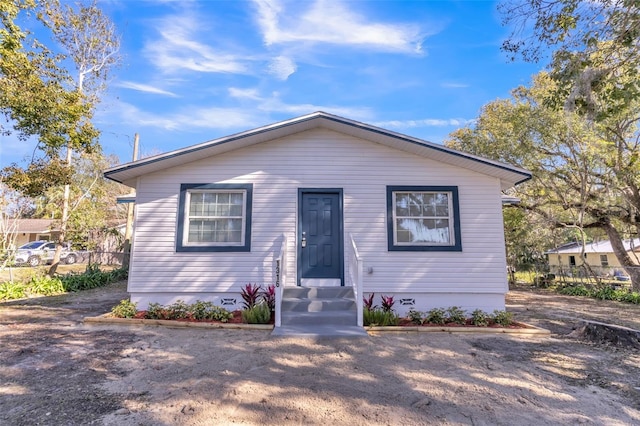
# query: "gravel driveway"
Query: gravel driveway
55,370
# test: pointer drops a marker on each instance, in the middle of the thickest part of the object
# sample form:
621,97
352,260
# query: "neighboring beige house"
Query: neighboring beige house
597,255
26,230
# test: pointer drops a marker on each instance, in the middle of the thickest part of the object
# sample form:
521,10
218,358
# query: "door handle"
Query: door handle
304,240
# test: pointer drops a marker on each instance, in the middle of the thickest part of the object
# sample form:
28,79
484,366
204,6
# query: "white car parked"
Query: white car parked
38,252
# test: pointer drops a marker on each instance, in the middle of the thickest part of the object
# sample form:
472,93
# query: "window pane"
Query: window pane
442,211
423,231
195,206
236,199
222,210
402,205
415,205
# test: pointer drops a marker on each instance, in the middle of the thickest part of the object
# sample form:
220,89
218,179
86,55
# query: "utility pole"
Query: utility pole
128,232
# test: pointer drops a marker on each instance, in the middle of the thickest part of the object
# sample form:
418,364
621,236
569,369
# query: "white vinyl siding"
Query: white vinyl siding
319,158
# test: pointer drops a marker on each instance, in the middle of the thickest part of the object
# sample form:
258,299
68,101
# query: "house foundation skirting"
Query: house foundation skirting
424,302
404,301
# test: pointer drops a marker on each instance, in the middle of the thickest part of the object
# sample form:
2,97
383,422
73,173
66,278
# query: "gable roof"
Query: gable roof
31,226
595,247
509,175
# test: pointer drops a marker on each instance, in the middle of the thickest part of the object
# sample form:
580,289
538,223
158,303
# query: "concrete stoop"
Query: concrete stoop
319,311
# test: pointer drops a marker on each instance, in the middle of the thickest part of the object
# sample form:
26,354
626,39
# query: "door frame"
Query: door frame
339,192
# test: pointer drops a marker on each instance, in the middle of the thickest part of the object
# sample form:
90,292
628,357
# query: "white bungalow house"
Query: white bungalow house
319,200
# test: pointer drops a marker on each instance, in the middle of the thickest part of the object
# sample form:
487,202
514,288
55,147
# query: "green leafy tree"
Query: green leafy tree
41,97
586,174
594,48
93,211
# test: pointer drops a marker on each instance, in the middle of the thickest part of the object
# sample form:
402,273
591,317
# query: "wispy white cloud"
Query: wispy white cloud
333,22
427,122
265,110
450,85
238,93
145,88
282,67
177,49
188,118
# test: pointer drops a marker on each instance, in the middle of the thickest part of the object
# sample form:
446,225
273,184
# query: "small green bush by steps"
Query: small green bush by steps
208,311
258,314
379,317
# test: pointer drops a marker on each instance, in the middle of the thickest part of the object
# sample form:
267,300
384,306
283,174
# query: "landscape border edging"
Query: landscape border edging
174,323
530,330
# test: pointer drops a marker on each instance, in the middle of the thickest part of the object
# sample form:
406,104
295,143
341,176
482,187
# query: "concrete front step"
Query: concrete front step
317,305
319,318
317,292
312,331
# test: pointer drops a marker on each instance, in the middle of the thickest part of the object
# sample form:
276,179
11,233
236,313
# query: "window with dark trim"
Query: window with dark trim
423,218
214,217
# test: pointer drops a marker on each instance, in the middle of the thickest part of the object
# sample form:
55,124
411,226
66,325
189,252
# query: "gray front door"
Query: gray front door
320,247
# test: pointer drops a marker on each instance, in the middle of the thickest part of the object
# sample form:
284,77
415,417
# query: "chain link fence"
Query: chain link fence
111,258
586,275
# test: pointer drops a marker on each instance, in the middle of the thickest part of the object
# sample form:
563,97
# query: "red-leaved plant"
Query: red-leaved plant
387,303
269,297
250,294
368,302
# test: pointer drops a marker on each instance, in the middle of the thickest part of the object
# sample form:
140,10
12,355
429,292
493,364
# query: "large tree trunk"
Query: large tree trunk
623,257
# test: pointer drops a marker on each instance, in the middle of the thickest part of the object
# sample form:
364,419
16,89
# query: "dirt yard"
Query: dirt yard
55,370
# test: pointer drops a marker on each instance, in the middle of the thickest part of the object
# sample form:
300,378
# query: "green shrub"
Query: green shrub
217,313
155,311
632,297
502,318
379,317
575,290
9,291
480,318
604,293
456,315
200,309
92,277
416,317
177,310
258,314
124,309
435,316
45,285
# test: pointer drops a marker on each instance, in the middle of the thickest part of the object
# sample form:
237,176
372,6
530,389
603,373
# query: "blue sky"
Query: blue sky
194,71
